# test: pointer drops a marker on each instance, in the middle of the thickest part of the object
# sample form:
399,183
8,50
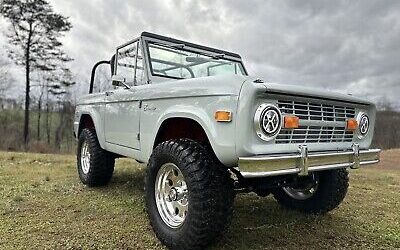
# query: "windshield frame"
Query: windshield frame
189,47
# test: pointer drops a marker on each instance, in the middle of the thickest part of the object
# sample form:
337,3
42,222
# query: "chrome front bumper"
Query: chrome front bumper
303,162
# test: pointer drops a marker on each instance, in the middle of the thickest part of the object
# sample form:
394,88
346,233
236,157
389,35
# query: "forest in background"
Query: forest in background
38,117
51,132
50,129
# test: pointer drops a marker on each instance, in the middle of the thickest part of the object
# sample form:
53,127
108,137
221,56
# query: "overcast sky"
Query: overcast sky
346,46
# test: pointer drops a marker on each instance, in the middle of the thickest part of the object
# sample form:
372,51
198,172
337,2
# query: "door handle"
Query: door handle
108,93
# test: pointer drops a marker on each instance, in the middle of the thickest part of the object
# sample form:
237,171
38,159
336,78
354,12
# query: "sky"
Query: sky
344,46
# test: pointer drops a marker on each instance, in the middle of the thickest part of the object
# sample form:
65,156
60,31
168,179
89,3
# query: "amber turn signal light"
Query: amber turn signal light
223,116
291,121
351,124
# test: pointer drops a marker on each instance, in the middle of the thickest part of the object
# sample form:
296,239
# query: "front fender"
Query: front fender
201,110
94,111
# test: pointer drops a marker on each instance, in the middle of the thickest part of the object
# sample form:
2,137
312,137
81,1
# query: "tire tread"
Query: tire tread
101,162
211,194
331,192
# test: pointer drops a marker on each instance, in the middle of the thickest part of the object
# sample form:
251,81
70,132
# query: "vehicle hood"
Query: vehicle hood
202,86
301,91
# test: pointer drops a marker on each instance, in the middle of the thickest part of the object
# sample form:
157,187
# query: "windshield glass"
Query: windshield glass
178,62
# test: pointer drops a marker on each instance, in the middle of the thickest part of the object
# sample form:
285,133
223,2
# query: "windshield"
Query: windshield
177,61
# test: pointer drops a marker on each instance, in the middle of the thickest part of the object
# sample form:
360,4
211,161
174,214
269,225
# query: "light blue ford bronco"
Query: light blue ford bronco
206,129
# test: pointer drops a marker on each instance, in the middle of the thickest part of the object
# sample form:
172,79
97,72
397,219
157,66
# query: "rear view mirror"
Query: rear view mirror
118,80
195,59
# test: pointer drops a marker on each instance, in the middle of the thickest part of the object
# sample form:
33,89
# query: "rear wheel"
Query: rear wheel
189,196
319,193
95,165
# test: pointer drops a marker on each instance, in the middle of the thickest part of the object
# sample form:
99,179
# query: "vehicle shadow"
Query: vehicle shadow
128,182
261,223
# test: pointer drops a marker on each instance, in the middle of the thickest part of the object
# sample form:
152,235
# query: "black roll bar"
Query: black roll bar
94,72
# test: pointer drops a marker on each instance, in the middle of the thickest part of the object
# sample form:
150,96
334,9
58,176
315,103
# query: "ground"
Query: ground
43,205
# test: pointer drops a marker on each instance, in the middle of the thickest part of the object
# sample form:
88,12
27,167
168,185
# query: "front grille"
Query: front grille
316,133
315,111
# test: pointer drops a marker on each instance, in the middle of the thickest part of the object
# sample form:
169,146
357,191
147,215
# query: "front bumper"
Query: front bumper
303,162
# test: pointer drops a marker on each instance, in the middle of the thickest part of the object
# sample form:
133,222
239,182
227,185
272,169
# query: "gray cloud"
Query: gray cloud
346,46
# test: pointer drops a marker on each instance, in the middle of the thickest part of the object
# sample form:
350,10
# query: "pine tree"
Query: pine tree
34,33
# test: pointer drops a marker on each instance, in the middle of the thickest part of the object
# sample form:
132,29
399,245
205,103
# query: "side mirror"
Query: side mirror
118,80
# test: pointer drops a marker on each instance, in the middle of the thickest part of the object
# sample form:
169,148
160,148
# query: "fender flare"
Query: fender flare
97,121
204,120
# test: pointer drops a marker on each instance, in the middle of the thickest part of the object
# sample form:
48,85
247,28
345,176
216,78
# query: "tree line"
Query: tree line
45,117
50,129
34,44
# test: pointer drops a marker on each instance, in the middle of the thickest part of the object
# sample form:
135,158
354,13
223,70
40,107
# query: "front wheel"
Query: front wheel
189,197
95,165
320,193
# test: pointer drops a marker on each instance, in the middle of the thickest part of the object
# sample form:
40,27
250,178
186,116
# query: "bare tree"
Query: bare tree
35,30
5,78
384,104
42,89
66,108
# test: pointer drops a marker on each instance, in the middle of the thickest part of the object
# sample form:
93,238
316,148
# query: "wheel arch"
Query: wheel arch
85,121
180,127
90,120
205,130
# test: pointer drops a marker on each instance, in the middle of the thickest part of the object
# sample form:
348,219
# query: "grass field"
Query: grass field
43,205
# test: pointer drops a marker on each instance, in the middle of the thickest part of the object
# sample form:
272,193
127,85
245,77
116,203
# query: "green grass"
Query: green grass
44,206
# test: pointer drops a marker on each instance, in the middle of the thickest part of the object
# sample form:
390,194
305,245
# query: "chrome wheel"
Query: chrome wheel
171,195
304,191
85,158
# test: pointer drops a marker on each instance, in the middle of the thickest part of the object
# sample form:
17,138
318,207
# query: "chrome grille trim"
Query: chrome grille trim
319,123
315,111
314,134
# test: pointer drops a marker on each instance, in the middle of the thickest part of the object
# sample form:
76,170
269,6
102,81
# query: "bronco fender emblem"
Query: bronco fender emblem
147,107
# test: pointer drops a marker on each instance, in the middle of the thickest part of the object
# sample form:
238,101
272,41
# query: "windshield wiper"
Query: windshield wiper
215,56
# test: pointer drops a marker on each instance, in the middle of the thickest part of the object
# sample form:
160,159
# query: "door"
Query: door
122,108
122,116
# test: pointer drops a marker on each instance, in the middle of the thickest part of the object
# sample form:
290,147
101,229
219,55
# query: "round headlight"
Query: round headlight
363,124
267,121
